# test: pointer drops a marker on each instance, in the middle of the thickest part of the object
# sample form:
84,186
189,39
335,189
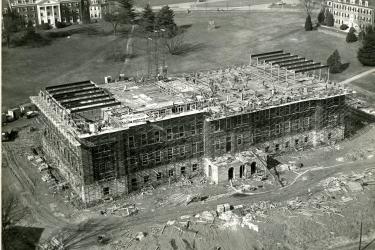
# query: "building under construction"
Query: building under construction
114,138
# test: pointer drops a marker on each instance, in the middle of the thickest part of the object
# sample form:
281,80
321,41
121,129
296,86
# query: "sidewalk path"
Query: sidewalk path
356,77
128,49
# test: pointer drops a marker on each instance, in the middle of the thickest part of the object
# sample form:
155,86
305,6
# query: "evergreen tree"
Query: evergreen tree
369,29
308,23
165,20
30,25
334,62
148,19
351,37
321,16
85,11
329,20
127,10
11,24
366,54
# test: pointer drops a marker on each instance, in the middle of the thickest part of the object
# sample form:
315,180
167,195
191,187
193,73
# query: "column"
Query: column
286,76
59,12
53,16
38,15
271,73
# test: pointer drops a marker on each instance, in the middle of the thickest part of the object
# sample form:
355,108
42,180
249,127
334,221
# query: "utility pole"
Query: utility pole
156,51
149,58
360,237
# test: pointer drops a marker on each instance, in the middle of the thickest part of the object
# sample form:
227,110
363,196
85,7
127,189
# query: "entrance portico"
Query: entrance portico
229,167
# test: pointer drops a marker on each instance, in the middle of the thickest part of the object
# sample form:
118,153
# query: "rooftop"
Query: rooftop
271,79
371,3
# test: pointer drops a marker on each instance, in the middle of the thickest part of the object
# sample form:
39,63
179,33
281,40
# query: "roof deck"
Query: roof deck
271,79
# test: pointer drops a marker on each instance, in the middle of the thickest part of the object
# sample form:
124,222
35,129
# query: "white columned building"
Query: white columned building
48,12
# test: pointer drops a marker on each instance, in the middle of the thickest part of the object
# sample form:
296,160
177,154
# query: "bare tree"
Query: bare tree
175,45
85,235
309,5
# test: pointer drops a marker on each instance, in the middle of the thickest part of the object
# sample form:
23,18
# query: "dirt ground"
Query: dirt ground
324,219
314,210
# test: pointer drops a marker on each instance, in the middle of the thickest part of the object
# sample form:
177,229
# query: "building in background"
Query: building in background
354,13
48,12
118,137
52,11
70,11
96,9
27,9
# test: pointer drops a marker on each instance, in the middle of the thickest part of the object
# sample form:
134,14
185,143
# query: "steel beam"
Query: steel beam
267,53
303,66
103,100
66,85
71,93
77,101
84,85
276,58
273,56
80,95
295,63
287,59
104,105
309,69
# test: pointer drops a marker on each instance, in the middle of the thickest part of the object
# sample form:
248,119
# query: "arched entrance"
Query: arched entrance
230,173
242,171
253,167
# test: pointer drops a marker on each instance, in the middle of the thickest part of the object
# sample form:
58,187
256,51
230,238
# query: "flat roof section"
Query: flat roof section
142,97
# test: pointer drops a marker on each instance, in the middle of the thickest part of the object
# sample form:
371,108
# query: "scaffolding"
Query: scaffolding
285,67
269,103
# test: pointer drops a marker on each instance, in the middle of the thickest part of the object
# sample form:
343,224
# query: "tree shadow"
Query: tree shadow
86,234
186,48
19,237
183,28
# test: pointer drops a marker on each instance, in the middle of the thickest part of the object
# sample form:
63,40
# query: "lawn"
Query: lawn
236,3
26,70
364,82
142,3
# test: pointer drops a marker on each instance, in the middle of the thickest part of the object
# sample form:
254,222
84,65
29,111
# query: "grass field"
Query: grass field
26,70
236,3
142,3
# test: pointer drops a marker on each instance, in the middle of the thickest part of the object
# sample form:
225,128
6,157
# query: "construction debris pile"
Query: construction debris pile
337,190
